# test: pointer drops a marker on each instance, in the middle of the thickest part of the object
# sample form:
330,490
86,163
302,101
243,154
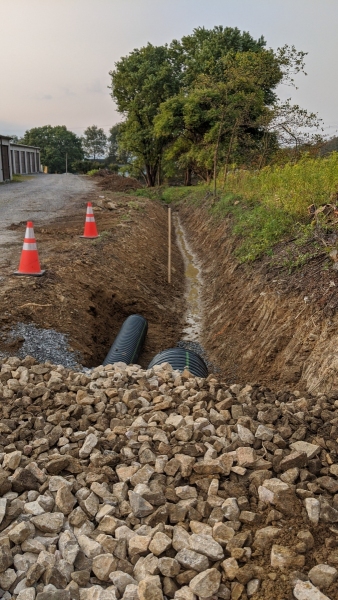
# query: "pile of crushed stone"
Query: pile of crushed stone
43,344
116,183
126,484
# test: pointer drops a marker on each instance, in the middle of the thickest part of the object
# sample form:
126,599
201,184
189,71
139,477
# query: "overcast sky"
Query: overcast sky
56,54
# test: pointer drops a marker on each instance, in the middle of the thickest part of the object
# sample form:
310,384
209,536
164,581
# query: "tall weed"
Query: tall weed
271,205
292,187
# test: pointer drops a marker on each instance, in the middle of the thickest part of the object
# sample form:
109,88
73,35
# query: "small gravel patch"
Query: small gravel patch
44,345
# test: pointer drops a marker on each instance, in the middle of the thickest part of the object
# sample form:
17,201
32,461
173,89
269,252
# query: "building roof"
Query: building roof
25,146
9,137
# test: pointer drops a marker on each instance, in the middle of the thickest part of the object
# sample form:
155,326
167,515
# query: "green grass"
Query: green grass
258,226
268,206
152,193
175,194
194,195
133,205
18,179
271,205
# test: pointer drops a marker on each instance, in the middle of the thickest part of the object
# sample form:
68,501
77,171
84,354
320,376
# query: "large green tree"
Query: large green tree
201,102
219,114
204,51
94,142
227,101
55,144
141,81
116,153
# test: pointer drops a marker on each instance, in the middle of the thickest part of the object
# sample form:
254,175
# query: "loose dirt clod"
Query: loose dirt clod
138,485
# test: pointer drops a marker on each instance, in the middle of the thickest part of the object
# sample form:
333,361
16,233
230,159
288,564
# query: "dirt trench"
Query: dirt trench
91,286
261,323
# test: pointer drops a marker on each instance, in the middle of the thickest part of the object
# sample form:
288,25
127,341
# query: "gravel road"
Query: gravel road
40,199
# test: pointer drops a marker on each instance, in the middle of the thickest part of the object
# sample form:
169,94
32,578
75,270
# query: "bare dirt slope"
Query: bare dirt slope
91,286
263,324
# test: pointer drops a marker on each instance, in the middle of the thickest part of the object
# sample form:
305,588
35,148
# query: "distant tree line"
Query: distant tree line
208,101
191,109
59,146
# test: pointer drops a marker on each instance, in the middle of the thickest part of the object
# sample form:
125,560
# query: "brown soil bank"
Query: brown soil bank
91,286
261,323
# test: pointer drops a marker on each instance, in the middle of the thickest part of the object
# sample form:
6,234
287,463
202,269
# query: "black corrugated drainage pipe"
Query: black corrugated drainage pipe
128,343
180,358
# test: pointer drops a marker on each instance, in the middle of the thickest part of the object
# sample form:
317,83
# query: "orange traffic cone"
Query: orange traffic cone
29,262
90,230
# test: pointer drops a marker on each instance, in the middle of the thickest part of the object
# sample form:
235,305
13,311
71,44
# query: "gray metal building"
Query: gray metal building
17,159
5,160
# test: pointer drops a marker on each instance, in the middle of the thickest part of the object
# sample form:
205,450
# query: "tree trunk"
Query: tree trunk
216,156
144,176
264,151
151,175
188,174
209,176
227,159
294,137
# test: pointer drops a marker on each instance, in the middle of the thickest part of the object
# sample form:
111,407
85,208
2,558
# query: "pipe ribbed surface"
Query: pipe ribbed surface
179,359
129,341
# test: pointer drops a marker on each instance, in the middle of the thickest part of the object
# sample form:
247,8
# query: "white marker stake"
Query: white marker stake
169,244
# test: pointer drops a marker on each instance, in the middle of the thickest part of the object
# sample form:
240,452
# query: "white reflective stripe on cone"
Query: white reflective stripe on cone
90,220
90,211
29,232
29,246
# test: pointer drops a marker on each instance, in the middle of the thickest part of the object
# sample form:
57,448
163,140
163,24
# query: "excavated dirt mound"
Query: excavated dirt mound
116,183
263,323
91,286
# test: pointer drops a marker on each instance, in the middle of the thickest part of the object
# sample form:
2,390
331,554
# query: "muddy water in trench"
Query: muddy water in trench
193,317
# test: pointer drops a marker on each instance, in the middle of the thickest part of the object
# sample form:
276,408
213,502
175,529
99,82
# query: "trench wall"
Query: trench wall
254,329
